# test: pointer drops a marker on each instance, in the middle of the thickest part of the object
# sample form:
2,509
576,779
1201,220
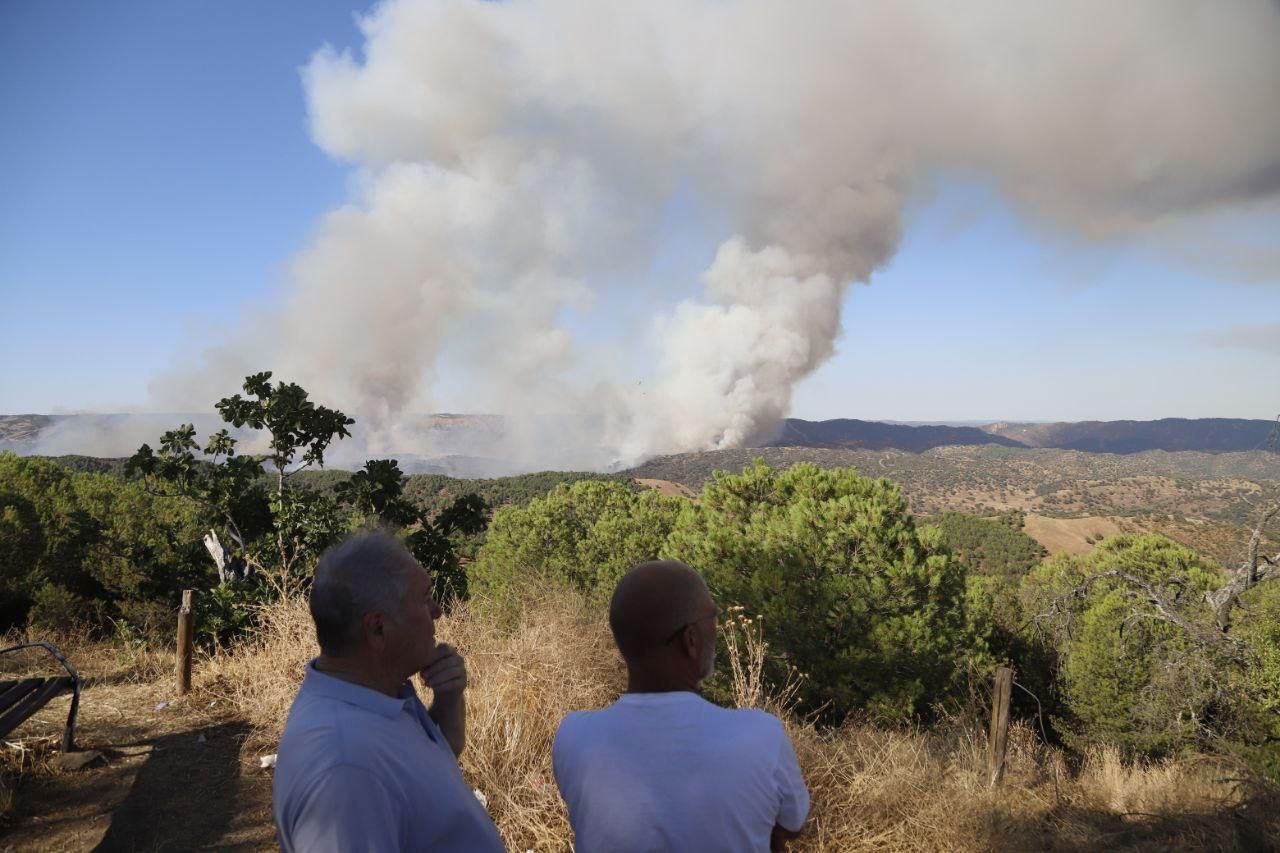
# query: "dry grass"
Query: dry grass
872,788
260,676
1070,535
96,661
553,657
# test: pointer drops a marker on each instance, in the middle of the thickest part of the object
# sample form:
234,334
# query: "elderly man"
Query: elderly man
662,768
363,764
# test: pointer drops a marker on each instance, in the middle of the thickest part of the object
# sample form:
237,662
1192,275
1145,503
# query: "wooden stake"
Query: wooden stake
998,740
186,633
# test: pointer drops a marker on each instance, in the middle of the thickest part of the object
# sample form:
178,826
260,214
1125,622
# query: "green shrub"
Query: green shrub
229,610
853,594
148,620
58,610
584,536
1258,712
1128,676
93,536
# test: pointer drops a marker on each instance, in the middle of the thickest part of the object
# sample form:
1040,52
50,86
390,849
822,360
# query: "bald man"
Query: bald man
662,768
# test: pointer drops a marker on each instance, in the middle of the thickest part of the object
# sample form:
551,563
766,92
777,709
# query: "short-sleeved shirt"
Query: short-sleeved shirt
359,770
672,771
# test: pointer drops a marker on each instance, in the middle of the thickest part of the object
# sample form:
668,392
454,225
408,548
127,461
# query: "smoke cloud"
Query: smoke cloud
1259,337
516,161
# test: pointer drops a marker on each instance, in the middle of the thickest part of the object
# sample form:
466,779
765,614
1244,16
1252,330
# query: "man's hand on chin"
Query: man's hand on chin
446,675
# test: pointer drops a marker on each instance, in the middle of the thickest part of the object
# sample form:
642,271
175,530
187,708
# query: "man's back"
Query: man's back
671,771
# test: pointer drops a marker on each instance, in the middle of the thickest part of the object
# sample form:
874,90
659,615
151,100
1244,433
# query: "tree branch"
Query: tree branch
1257,568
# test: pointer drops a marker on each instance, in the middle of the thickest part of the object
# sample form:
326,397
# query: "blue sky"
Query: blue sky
158,176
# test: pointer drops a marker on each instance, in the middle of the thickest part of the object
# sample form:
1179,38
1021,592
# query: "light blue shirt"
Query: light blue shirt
671,772
358,770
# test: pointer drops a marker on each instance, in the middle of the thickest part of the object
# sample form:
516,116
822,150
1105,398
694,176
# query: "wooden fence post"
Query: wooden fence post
186,632
998,739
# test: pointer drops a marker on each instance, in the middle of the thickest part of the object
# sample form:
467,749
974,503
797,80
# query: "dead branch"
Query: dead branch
1256,568
1165,610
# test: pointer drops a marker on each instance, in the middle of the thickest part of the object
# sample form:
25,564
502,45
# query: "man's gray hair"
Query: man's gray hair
359,575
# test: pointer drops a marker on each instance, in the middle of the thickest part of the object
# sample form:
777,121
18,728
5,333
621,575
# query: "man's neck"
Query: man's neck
355,671
645,682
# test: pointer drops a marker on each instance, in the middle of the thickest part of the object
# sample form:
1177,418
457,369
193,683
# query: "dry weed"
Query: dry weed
872,788
259,676
95,660
554,657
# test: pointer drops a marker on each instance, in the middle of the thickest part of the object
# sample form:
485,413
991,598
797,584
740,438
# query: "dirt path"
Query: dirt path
174,777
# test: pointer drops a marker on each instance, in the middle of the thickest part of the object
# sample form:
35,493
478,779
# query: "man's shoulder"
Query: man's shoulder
614,720
327,733
576,724
755,718
743,722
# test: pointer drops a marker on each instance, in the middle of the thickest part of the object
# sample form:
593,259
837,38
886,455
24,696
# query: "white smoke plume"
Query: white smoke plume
516,158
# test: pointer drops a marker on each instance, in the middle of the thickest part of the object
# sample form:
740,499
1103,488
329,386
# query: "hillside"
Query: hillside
1211,435
874,435
1205,500
22,428
1214,435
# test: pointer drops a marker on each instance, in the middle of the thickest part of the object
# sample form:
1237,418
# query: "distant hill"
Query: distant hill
1209,435
462,445
18,428
875,435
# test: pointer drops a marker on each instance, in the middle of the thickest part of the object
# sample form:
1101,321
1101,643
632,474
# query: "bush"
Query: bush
871,608
148,620
582,536
91,536
1129,678
58,610
230,610
1257,715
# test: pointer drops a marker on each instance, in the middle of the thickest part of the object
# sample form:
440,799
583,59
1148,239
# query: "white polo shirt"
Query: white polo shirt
361,771
672,771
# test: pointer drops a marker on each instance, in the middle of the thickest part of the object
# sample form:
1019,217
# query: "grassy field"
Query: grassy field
186,774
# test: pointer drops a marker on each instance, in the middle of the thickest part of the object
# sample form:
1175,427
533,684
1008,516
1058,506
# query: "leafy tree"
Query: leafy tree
377,491
851,592
584,535
376,494
299,522
1257,715
436,544
86,545
1140,663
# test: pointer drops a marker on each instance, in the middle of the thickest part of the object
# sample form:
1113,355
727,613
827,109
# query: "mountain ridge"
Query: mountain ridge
1207,435
21,433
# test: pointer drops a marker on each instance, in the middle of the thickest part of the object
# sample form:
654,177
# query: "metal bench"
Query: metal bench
20,698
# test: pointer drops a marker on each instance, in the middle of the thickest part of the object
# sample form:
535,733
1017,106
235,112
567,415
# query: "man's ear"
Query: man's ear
689,642
374,629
